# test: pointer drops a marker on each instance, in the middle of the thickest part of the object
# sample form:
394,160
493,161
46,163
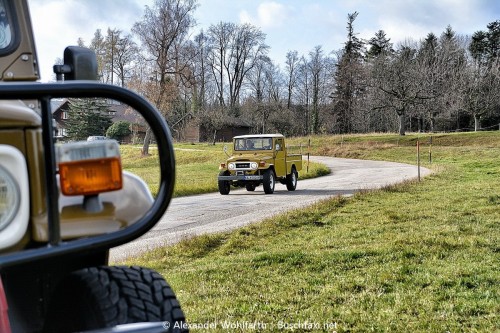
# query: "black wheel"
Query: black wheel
291,180
102,297
224,185
250,187
269,182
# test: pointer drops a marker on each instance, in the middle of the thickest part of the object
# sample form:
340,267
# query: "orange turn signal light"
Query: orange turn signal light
89,168
88,177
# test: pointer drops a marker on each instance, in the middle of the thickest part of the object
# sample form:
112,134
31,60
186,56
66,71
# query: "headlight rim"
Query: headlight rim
12,159
13,209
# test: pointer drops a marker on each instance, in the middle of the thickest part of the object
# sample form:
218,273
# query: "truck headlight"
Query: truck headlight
231,166
254,166
9,197
14,196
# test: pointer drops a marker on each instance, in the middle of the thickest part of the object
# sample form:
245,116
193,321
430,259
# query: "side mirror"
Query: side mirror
80,63
225,150
278,146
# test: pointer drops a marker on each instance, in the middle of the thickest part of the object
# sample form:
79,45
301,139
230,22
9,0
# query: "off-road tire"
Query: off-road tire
224,185
291,180
269,181
102,297
250,187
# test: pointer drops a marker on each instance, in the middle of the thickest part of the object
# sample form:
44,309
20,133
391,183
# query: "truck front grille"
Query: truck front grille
243,165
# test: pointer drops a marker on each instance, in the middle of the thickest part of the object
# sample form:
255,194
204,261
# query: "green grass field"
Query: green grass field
416,257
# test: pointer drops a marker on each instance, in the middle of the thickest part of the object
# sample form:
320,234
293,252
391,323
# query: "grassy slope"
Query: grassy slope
414,257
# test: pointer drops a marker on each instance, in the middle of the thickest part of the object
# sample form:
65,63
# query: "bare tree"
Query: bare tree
234,53
266,83
164,27
303,95
121,55
481,93
401,83
98,45
316,67
292,62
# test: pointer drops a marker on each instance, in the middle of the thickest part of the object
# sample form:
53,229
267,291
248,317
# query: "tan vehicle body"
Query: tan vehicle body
54,247
259,159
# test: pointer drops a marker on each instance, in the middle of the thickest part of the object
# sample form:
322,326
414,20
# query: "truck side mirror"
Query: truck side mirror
80,63
278,146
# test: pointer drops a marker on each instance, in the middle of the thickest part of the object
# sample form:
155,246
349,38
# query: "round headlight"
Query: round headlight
10,197
231,166
254,165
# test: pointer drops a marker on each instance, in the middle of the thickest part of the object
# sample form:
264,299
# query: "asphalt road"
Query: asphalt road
208,213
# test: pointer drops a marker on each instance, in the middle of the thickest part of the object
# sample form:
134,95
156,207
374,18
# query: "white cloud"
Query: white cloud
399,30
59,23
269,15
289,25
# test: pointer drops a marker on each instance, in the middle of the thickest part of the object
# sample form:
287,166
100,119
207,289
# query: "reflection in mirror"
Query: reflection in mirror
92,122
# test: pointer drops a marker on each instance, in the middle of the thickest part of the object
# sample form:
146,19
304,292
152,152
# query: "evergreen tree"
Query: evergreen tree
87,117
485,45
348,79
379,44
119,130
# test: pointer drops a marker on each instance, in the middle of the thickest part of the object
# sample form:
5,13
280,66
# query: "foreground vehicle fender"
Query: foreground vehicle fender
122,208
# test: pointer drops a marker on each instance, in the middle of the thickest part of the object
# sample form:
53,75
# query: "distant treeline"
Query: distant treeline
224,76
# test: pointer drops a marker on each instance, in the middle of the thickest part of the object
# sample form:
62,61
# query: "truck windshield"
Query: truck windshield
253,144
6,33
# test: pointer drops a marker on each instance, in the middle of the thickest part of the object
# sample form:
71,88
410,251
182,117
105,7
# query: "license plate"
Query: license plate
252,177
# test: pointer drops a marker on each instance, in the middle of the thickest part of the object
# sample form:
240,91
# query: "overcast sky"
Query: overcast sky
289,25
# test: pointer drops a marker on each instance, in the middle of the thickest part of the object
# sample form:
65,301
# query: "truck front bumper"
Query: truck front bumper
242,177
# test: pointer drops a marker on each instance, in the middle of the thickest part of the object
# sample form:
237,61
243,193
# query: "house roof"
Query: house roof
121,111
56,104
125,113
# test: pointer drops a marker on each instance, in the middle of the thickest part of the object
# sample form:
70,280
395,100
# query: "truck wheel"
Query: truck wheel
102,297
269,182
291,180
250,187
224,185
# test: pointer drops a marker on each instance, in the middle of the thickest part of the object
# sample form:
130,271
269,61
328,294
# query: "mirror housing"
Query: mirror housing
80,63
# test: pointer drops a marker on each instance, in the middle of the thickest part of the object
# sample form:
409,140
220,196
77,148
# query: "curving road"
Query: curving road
208,213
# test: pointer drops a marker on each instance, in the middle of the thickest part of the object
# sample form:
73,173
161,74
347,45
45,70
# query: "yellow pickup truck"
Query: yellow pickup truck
259,159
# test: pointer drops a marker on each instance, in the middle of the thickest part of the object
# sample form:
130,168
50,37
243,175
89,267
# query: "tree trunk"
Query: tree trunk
477,122
214,138
147,140
402,123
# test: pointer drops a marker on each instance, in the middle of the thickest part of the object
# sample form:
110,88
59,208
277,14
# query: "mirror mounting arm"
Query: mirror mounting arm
80,63
60,70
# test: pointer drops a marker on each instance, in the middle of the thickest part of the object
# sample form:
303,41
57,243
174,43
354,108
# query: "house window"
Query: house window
61,132
64,115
